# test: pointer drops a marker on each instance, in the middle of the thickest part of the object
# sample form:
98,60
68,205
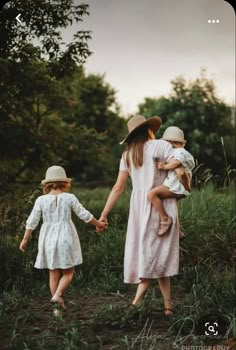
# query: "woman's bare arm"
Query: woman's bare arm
115,193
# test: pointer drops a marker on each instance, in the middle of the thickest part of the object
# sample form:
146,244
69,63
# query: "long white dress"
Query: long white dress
58,243
148,255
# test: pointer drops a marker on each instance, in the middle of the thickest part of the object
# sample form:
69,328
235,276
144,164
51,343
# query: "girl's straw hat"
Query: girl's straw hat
138,120
55,173
174,134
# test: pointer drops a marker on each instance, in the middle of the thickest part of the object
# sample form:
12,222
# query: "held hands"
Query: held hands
103,224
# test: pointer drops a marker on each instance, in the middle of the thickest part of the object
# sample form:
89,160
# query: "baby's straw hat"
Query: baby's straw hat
137,121
55,173
174,134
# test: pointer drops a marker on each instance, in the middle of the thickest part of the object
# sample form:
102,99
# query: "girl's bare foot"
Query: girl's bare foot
58,299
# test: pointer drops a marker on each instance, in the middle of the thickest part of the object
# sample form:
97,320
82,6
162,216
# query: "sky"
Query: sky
141,45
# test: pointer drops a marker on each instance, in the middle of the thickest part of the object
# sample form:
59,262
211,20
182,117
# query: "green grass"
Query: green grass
204,286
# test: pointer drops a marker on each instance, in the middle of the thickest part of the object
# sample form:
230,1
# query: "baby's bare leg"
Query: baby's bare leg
156,195
183,177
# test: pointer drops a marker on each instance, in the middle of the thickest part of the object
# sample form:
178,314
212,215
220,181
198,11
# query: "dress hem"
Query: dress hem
55,268
153,278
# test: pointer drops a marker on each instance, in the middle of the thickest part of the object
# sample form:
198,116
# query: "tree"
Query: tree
194,107
51,112
33,101
94,106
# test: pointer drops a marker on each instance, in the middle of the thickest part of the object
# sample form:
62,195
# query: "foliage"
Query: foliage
51,112
93,105
42,20
205,119
207,217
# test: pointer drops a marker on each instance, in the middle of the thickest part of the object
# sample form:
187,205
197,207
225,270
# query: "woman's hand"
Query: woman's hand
23,245
104,222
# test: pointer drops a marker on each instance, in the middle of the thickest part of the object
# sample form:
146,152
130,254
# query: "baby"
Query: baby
177,182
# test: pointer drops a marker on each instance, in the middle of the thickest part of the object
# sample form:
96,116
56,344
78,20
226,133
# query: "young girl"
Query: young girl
58,244
177,182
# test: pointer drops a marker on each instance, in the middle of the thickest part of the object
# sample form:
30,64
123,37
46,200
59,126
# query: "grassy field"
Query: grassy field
99,315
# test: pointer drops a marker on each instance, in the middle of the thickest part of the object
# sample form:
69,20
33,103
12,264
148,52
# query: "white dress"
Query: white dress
172,180
58,243
147,255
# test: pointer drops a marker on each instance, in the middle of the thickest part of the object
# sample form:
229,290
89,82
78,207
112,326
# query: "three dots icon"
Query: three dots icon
213,21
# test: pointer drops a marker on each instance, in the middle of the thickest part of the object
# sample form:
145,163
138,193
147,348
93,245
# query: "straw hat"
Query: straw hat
138,120
55,173
174,134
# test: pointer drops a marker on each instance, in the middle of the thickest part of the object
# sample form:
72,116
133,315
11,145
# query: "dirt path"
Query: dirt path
90,322
99,322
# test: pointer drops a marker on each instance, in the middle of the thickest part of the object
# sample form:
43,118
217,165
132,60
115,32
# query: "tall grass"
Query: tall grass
204,286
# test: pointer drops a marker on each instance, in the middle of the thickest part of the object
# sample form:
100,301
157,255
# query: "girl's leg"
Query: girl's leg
64,283
165,287
54,277
141,290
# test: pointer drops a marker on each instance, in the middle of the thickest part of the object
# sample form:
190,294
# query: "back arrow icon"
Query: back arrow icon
17,18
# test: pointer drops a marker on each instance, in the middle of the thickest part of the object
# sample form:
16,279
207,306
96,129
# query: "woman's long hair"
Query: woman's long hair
135,145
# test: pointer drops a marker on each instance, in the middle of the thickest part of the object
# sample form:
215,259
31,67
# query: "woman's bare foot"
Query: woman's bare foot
168,308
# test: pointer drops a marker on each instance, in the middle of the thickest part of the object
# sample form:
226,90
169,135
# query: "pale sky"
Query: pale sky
141,45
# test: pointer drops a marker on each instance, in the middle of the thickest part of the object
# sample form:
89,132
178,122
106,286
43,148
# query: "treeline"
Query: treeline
51,112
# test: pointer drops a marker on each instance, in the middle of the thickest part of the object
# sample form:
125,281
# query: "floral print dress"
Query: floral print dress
58,243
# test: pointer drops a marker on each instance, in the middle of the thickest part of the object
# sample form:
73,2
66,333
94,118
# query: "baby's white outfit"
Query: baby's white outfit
172,180
58,243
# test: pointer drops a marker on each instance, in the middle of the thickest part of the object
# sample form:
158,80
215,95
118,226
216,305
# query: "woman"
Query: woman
147,255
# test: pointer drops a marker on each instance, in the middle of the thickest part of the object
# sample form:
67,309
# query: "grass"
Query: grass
100,317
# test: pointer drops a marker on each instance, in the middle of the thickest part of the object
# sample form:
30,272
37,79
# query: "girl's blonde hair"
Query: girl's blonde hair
55,185
135,145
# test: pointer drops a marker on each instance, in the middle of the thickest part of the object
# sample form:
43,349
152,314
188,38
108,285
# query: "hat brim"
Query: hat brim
154,123
174,139
67,179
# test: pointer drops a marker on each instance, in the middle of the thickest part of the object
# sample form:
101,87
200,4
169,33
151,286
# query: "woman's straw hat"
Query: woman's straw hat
55,173
174,134
138,120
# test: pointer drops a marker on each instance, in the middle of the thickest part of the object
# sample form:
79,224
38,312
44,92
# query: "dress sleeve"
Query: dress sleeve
123,165
185,158
35,215
80,211
163,151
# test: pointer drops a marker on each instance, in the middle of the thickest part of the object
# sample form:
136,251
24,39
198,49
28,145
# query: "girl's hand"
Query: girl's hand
103,223
23,245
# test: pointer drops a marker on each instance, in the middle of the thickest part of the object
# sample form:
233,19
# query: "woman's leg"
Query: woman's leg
64,283
165,287
54,277
141,290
